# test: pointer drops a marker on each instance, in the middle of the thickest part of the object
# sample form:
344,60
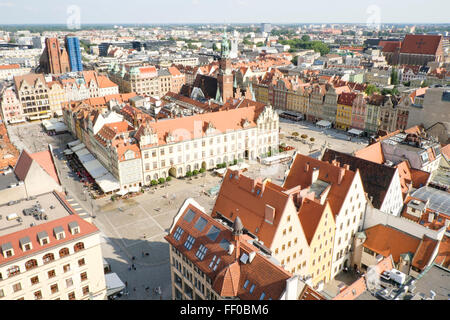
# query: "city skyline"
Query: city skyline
214,11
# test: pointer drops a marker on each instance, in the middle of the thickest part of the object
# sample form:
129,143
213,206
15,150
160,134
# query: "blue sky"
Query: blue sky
228,11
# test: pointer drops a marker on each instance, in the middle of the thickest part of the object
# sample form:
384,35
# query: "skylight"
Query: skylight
246,284
262,296
214,263
201,223
189,242
213,233
252,288
225,244
201,252
189,216
178,233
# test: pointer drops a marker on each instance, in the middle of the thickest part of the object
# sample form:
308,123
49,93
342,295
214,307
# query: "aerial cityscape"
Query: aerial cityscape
224,150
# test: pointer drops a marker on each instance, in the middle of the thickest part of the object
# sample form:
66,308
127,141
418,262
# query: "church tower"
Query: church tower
225,77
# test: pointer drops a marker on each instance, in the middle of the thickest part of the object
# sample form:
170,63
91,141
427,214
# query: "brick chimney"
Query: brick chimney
341,175
269,214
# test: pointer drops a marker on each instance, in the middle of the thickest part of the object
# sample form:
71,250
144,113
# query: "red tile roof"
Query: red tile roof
86,228
424,252
387,241
300,174
421,44
229,277
45,160
243,196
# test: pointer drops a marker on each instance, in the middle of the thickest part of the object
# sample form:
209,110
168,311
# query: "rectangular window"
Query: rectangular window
201,252
71,296
38,295
66,267
69,282
178,233
54,288
85,290
17,287
81,262
189,242
51,274
83,276
34,280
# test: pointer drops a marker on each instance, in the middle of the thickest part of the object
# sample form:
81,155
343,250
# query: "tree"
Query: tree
371,89
394,76
247,42
295,134
424,84
168,179
161,180
312,139
195,172
295,61
202,170
189,174
235,162
306,38
214,47
304,136
260,44
154,182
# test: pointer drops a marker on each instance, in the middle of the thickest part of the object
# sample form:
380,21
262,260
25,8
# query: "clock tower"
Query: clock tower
225,77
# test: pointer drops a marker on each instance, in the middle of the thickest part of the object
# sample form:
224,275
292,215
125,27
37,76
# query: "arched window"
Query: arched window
78,246
30,264
63,252
49,257
14,270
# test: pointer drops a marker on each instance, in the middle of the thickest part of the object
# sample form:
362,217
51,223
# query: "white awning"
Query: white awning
355,132
113,284
82,152
78,147
95,168
239,166
57,126
108,183
86,158
323,123
73,143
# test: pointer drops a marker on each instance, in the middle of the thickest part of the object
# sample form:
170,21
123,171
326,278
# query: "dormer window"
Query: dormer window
74,228
7,250
43,238
59,233
25,244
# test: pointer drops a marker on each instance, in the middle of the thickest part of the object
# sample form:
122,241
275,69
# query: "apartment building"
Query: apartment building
9,71
179,145
212,260
344,191
268,212
146,80
58,258
381,182
344,110
11,107
32,92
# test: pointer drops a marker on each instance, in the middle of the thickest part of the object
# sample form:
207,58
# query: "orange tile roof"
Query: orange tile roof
247,198
387,241
373,153
353,291
9,154
45,160
443,256
421,44
230,275
424,252
9,66
196,125
105,82
300,174
310,214
86,228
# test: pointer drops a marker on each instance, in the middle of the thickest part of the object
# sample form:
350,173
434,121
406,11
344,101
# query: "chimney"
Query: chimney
430,217
315,175
251,256
307,167
269,214
231,249
346,166
341,175
238,230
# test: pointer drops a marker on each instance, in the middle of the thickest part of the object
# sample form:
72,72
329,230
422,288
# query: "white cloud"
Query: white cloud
6,4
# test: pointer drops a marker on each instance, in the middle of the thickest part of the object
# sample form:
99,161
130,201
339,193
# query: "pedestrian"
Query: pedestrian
134,289
133,258
142,253
126,284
